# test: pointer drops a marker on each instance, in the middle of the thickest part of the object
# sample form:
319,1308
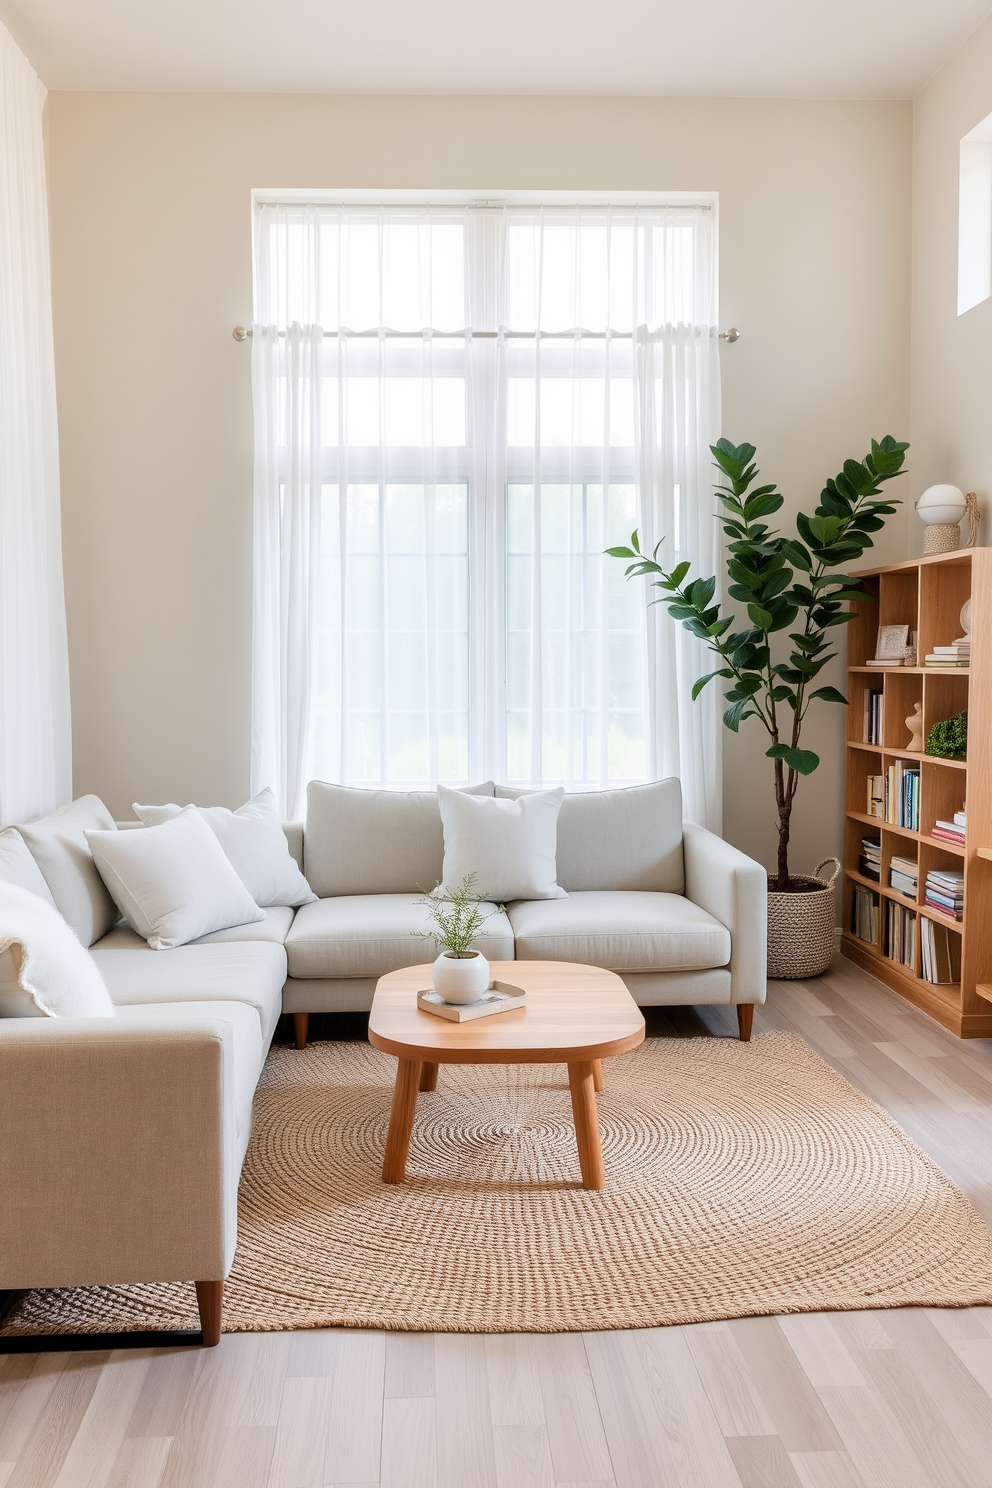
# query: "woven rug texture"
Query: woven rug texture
741,1179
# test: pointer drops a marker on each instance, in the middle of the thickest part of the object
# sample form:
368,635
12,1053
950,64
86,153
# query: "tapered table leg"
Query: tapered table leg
582,1083
428,1076
597,1074
401,1120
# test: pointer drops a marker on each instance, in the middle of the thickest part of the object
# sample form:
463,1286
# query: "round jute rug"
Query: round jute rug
741,1179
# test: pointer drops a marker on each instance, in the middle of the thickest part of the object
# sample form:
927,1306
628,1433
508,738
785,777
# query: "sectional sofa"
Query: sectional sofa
122,1139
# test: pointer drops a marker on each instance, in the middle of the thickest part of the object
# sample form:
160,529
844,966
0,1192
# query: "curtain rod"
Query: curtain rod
240,333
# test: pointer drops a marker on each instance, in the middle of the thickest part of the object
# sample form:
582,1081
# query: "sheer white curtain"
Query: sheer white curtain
35,753
457,409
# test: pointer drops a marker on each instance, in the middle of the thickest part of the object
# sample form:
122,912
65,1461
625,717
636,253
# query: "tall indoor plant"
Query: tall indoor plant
786,584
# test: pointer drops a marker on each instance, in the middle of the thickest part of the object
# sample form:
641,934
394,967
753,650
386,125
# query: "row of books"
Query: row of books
940,953
900,943
903,875
876,795
945,892
952,831
872,731
864,914
901,803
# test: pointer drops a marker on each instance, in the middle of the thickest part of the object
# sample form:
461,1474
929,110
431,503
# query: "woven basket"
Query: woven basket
801,926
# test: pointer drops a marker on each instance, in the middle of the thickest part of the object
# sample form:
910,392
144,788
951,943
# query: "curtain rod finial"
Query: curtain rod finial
730,336
240,334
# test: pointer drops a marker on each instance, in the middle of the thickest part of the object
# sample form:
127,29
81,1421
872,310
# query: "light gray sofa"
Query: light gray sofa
122,1139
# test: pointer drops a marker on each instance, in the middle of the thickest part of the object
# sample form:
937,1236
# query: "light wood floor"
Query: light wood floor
873,1399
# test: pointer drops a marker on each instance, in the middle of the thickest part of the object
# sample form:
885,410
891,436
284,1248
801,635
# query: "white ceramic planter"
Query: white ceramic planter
461,978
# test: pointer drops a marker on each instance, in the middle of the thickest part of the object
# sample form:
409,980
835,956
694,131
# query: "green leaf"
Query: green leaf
701,682
761,618
803,761
620,552
829,695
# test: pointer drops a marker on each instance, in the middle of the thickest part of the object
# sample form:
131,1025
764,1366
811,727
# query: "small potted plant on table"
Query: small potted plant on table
461,974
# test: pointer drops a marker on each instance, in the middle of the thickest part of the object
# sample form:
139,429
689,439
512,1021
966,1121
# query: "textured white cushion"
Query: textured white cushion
251,973
366,935
273,928
374,841
173,882
255,845
43,968
621,931
17,866
59,847
508,845
629,838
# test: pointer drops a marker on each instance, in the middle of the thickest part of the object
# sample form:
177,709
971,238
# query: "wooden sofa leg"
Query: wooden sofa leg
745,1015
301,1023
210,1301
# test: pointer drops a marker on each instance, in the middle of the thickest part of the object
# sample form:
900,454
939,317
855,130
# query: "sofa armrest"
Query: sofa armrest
733,888
118,1157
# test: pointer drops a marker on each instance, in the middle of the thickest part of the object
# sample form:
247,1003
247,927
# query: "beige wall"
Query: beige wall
152,268
952,354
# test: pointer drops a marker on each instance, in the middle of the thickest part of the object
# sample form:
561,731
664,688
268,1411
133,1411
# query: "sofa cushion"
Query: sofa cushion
255,845
273,928
251,973
59,847
18,867
374,841
174,881
366,935
620,839
503,849
43,968
250,1046
620,931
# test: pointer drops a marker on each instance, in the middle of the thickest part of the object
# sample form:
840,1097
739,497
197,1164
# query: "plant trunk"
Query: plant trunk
784,790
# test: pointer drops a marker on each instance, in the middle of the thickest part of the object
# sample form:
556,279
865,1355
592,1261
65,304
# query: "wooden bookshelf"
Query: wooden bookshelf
926,594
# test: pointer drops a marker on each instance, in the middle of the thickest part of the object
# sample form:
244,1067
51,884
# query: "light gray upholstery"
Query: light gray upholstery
249,1046
367,935
678,988
329,994
59,847
18,867
629,838
274,927
733,888
250,972
620,931
374,841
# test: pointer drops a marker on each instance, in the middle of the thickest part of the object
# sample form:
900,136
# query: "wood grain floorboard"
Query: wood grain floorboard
899,1399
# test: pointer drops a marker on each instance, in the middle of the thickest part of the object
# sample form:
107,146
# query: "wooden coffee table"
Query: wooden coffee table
574,1015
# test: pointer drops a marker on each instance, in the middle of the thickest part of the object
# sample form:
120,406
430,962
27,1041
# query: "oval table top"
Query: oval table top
572,1013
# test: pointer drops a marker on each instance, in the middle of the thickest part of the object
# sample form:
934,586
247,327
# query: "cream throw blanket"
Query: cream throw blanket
43,968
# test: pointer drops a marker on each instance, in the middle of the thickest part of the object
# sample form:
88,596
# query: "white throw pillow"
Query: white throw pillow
255,846
173,882
508,845
44,971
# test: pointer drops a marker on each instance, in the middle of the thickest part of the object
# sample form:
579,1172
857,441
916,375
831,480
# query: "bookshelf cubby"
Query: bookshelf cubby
927,595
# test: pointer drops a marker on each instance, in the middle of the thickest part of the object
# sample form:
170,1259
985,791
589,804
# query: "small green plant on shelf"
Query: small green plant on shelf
456,914
948,739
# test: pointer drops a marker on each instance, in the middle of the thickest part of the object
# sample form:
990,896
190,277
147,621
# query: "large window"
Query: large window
457,409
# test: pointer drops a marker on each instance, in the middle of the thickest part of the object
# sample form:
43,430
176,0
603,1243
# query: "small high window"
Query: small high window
975,217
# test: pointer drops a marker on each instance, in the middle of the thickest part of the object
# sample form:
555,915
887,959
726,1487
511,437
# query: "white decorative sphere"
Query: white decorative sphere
945,504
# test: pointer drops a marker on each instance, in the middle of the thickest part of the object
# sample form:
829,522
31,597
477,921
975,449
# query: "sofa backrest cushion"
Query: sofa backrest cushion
18,867
59,847
373,841
630,838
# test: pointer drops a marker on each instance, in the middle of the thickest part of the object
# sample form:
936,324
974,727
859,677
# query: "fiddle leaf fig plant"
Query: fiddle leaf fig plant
789,587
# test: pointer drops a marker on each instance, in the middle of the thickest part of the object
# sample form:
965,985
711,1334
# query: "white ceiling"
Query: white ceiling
732,48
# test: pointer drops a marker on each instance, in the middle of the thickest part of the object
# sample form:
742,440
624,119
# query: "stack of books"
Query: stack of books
901,939
956,655
864,914
940,953
903,875
945,892
902,795
873,716
870,862
951,831
876,795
